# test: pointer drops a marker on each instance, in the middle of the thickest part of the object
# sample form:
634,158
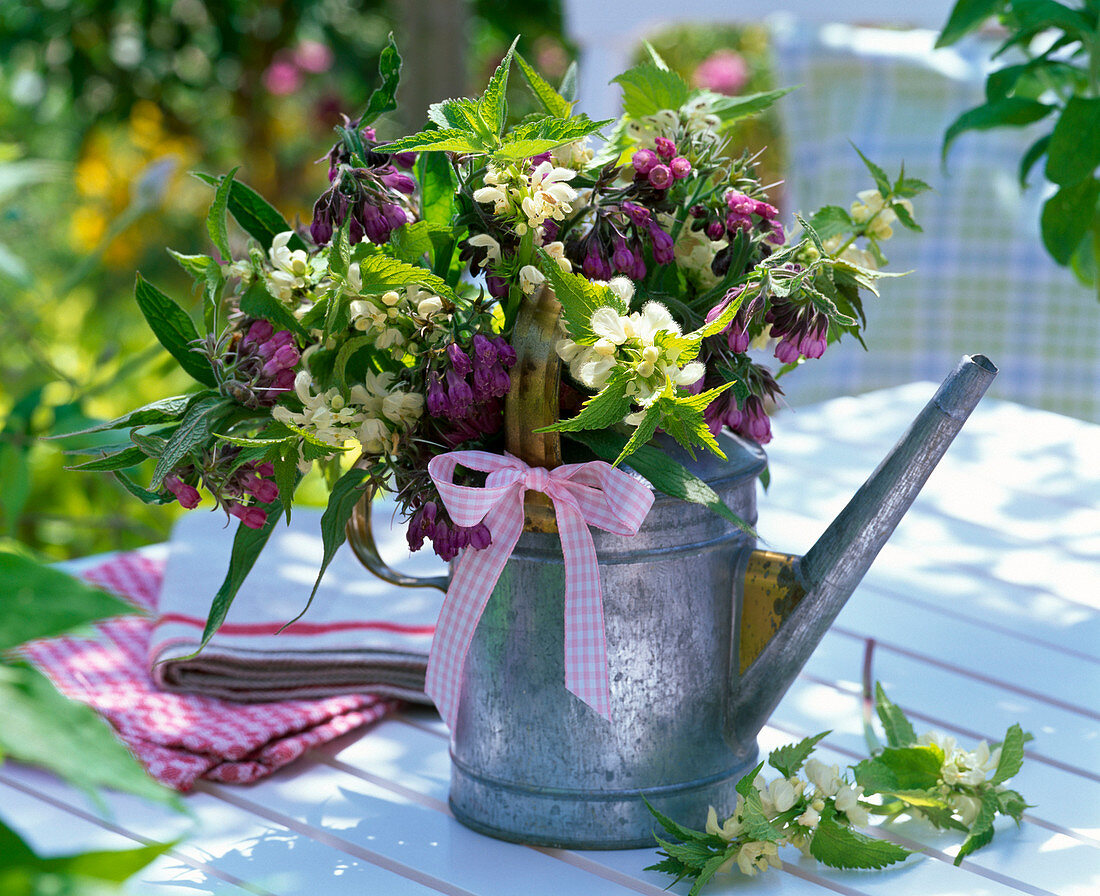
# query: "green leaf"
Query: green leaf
257,217
643,432
412,242
215,218
121,460
438,186
914,768
492,107
342,499
875,777
441,140
906,219
1068,217
142,494
755,820
1006,112
349,348
68,738
208,272
661,471
460,113
383,98
789,759
899,730
731,109
1074,150
568,86
247,545
604,409
579,297
684,421
258,302
166,410
195,431
1012,756
174,330
543,134
1034,16
880,178
981,831
838,846
552,101
1011,804
831,220
965,17
676,829
648,89
41,601
1030,157
381,273
691,853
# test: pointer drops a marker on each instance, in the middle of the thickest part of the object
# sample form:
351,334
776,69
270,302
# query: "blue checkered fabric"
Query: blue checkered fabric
981,279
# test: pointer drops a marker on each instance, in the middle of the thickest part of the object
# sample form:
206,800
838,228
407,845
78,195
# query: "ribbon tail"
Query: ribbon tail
471,586
585,637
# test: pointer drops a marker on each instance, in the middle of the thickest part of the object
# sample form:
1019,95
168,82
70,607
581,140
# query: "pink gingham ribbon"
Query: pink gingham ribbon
591,493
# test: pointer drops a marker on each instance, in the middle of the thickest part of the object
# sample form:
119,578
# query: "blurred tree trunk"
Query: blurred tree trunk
432,36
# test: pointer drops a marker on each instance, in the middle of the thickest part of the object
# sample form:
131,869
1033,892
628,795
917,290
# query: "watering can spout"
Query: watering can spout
789,602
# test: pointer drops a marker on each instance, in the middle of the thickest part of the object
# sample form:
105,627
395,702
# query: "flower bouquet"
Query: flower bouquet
382,335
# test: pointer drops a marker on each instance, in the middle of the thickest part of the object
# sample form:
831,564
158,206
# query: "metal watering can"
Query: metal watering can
704,633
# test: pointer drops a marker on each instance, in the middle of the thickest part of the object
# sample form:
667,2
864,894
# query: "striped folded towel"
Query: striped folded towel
360,635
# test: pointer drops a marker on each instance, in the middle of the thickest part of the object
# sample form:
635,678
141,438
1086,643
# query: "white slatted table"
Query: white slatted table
983,609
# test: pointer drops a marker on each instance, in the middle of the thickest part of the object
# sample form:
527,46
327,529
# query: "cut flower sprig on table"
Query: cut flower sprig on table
816,807
381,335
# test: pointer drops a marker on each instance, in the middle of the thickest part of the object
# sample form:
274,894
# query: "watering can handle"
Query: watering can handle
361,538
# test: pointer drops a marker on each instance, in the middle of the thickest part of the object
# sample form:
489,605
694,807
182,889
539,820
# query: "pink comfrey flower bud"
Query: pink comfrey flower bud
660,176
643,161
663,247
187,495
250,516
666,149
680,167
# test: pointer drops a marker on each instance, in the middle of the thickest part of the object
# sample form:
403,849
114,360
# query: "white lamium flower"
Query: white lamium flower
567,349
403,407
484,241
530,279
374,435
731,828
782,794
556,250
609,324
966,806
623,288
757,855
825,778
429,307
593,369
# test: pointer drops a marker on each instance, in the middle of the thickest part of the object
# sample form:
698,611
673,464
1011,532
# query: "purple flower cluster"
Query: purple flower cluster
234,489
802,330
448,538
737,330
616,243
741,210
256,368
750,418
660,169
467,392
372,198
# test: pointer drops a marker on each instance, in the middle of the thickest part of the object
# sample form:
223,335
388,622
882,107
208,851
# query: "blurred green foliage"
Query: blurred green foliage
105,108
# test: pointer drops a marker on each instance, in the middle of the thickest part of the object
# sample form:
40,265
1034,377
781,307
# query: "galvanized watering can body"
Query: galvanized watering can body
704,633
533,763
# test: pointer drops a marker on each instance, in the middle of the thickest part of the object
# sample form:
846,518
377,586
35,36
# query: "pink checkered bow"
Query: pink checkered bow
591,493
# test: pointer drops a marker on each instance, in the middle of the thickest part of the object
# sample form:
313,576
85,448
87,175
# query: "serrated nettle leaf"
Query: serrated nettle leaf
1012,756
412,242
676,829
441,140
257,217
643,432
915,767
381,273
981,831
540,136
684,421
174,330
905,217
604,409
438,184
492,106
349,348
1011,804
1068,217
648,89
879,176
789,759
692,854
907,187
1007,112
383,98
899,730
1074,151
195,431
215,218
838,846
875,777
459,113
579,297
552,101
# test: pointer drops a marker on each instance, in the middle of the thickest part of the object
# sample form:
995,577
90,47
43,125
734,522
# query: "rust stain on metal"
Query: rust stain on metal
771,594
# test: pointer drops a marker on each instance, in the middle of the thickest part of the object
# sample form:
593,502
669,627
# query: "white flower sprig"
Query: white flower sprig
814,807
